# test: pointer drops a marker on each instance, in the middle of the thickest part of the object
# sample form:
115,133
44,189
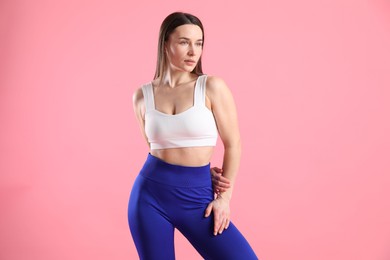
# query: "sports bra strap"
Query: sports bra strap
147,91
200,91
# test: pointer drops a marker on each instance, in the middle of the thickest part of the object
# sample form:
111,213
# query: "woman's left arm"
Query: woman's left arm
225,114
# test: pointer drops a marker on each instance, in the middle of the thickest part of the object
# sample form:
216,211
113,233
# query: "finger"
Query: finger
218,170
218,186
224,179
215,186
220,181
223,184
216,177
217,223
221,228
208,210
227,223
214,181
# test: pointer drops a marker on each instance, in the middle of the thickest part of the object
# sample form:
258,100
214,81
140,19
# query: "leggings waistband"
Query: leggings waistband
176,175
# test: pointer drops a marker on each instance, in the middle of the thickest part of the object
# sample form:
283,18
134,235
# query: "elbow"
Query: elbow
233,144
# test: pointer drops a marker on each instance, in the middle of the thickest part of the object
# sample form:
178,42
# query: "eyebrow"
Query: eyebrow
189,39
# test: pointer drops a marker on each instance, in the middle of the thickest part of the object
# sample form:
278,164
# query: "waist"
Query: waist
166,173
185,156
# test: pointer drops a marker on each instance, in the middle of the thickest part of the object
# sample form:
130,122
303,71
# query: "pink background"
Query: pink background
311,81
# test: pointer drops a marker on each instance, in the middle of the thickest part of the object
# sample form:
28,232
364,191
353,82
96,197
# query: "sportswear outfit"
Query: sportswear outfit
167,196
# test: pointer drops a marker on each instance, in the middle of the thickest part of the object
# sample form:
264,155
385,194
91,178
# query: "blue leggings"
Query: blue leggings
167,196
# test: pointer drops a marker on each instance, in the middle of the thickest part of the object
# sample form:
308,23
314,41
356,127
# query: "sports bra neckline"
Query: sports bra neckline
177,114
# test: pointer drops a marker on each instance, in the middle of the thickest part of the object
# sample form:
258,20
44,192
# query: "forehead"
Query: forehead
190,31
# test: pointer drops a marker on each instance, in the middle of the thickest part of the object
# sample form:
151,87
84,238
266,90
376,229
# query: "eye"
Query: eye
182,43
199,44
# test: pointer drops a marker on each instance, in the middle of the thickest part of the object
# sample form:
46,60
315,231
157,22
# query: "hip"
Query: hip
172,186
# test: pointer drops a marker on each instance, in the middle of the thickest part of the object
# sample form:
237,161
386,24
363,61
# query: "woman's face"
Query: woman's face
184,47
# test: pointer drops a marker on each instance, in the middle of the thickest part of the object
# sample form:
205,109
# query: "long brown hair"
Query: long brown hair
168,25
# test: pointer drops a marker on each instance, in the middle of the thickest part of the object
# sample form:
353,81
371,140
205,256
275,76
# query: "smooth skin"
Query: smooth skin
174,94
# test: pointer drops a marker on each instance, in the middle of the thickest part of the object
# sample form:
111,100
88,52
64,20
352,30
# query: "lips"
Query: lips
189,61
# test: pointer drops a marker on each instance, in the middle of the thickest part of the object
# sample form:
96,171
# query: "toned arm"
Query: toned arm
225,114
139,111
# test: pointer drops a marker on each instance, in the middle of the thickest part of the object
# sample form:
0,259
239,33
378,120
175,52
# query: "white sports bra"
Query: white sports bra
193,127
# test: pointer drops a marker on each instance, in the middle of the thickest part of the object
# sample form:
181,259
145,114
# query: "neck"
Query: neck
177,78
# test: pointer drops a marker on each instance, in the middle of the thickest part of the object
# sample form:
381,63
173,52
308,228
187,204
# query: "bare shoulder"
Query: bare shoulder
214,83
138,103
138,96
216,86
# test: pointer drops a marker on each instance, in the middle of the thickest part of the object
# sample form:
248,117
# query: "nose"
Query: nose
191,50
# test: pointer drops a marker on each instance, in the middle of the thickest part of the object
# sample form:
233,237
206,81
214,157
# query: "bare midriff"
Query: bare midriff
186,156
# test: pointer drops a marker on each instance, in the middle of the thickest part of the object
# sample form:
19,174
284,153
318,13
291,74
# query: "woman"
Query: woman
180,113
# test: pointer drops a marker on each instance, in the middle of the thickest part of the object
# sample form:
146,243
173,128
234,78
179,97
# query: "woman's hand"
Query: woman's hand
221,210
220,183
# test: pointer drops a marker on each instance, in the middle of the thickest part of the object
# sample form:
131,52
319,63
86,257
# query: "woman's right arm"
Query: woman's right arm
139,111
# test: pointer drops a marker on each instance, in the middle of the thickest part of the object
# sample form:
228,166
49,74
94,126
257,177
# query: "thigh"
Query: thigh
152,232
231,244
